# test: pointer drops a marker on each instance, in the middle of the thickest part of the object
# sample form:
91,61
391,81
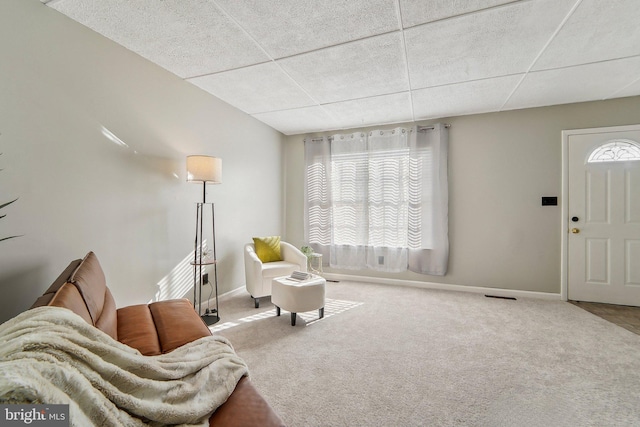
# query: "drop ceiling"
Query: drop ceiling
304,66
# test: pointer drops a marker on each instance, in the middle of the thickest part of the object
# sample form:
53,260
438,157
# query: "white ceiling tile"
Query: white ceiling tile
415,12
369,67
255,89
480,96
296,26
491,43
596,31
392,108
187,37
574,84
299,120
630,90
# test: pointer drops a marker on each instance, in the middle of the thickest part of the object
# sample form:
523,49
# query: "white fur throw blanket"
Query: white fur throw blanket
50,355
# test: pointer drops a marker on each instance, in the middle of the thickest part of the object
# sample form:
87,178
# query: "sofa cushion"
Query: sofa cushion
268,248
57,284
136,329
68,296
177,323
108,321
90,281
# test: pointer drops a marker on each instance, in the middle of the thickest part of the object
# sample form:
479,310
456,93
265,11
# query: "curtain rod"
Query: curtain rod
420,129
423,128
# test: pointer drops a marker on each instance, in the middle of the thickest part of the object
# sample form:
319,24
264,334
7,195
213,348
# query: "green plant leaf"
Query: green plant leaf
2,216
8,203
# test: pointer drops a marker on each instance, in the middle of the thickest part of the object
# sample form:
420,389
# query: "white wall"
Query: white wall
60,85
500,165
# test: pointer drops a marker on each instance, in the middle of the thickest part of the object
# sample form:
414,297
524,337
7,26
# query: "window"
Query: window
371,200
617,150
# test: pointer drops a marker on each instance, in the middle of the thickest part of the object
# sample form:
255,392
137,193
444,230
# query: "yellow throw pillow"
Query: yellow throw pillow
268,248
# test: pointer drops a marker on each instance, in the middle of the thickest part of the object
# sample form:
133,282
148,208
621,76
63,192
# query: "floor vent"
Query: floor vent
496,296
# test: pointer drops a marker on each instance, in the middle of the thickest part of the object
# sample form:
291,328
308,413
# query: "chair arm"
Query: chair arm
252,268
253,259
292,254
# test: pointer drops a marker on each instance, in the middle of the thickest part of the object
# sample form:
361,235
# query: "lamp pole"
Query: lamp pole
204,169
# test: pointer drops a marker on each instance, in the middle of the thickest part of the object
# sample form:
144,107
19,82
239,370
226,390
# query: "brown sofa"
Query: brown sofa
153,329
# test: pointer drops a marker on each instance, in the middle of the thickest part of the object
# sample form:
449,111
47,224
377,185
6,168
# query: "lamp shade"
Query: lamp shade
204,169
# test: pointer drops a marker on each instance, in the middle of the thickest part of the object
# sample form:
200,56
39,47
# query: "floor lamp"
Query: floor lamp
204,169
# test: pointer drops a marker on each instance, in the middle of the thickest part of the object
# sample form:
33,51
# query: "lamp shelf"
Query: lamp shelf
204,263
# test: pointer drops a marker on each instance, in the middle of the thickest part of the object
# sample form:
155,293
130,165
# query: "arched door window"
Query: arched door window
616,150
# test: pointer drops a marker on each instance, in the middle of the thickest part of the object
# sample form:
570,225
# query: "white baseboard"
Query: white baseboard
233,292
425,285
444,286
212,301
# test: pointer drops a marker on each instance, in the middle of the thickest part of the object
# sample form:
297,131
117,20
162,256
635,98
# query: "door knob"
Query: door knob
575,230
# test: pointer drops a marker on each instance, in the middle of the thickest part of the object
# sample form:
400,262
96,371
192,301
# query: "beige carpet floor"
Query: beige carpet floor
399,356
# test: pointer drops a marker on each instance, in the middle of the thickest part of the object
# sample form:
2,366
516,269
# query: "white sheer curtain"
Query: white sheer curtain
349,200
389,195
429,220
317,206
379,200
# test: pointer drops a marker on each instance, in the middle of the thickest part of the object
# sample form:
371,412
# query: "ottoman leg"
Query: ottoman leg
293,319
257,302
277,311
321,311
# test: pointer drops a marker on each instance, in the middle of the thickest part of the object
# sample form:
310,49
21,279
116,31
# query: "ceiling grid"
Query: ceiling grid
564,21
304,66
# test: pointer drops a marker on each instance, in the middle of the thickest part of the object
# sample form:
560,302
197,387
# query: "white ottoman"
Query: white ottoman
298,297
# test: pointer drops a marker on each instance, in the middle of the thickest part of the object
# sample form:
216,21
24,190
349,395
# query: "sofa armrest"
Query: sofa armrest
245,407
57,284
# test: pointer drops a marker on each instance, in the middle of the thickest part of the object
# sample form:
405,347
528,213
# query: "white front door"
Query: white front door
603,259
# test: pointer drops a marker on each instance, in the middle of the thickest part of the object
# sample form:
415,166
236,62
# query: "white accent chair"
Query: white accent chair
259,275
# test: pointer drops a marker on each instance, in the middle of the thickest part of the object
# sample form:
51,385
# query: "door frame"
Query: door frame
564,268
